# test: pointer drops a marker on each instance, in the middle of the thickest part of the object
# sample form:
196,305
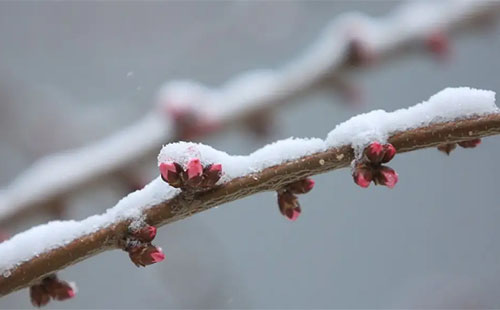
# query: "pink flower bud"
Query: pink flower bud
362,175
194,168
211,174
301,187
438,44
386,176
171,173
144,255
39,295
61,290
374,152
58,289
145,234
470,143
289,205
447,147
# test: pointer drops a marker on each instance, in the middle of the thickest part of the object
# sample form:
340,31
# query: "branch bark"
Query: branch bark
270,179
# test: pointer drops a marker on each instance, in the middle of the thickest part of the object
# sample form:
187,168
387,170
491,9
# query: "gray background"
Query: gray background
430,242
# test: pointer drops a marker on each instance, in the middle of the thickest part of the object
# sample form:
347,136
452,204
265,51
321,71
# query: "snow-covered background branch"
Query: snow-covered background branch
361,248
348,39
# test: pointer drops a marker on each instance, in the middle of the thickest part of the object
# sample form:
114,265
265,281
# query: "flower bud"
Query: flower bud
144,255
289,205
386,176
470,143
171,173
39,295
389,152
301,187
374,152
58,289
144,234
362,175
446,147
211,174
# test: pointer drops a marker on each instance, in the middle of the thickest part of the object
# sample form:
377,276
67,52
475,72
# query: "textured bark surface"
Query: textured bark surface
270,179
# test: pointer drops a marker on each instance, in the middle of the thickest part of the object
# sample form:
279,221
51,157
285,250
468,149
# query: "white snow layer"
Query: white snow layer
449,104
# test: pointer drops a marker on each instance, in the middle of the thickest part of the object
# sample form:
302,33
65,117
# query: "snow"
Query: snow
43,238
447,105
62,172
411,22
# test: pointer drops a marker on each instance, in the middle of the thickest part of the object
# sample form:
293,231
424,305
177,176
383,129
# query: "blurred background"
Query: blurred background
74,72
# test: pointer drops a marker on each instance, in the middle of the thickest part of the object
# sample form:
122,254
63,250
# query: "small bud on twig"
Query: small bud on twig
448,147
301,187
145,234
289,205
147,254
50,287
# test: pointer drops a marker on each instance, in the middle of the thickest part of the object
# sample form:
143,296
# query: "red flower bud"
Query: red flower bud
58,289
144,255
362,175
438,44
470,143
389,152
144,234
447,147
171,173
39,295
211,174
289,205
301,187
386,176
375,152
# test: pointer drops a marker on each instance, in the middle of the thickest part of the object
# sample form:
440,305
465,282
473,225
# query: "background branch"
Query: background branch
273,178
61,174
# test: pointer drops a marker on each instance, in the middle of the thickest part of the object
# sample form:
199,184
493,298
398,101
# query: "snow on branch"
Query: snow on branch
451,116
187,109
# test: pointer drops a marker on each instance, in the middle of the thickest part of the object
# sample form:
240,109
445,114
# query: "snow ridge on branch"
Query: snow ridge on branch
349,37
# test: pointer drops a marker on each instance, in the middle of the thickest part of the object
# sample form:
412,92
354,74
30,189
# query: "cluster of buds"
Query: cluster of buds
358,54
260,123
438,44
193,177
50,287
189,124
448,147
369,168
139,247
288,203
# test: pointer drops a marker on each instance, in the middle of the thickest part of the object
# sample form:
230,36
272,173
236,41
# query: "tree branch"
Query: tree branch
61,174
273,178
